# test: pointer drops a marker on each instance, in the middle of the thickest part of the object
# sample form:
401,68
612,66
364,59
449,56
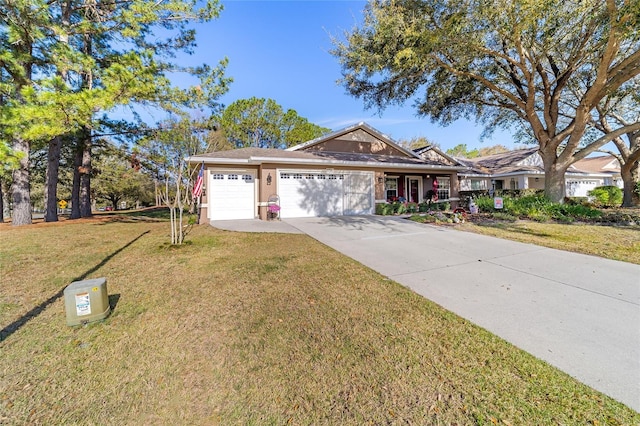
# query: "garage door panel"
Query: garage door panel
358,194
231,195
314,193
309,195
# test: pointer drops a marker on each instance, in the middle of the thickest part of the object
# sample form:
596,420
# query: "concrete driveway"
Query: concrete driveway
579,313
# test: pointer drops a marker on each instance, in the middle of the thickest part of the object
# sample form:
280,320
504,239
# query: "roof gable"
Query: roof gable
434,154
601,164
358,139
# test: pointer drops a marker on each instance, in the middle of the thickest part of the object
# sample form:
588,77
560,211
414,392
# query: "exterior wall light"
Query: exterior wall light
269,179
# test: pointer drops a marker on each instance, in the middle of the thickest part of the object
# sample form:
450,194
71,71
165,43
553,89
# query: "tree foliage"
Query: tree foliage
117,179
66,64
621,109
262,123
500,62
462,151
417,142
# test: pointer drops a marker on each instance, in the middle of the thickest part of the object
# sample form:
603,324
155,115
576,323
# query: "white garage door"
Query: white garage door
231,195
314,193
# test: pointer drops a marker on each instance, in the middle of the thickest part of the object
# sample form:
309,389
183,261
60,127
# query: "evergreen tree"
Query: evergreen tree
89,58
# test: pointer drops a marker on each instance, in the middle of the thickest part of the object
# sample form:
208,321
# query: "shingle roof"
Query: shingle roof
598,164
248,154
505,162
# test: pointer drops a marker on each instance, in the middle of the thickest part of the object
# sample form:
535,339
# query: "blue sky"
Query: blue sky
280,50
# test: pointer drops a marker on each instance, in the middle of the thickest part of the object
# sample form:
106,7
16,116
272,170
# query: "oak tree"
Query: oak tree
500,62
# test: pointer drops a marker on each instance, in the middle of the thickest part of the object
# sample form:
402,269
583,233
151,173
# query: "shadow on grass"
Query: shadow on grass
150,214
113,301
37,310
511,227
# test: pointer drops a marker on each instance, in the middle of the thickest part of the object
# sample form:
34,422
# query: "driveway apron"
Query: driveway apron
579,313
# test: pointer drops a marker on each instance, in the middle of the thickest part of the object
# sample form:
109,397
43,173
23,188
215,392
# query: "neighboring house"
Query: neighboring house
523,168
596,171
342,173
516,169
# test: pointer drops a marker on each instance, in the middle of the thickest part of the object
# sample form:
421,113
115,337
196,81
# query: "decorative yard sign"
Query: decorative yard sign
497,203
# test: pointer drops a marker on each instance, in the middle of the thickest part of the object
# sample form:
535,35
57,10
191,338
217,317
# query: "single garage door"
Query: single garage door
312,193
231,195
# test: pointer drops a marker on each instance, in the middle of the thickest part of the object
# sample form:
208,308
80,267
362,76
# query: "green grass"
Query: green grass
239,328
611,242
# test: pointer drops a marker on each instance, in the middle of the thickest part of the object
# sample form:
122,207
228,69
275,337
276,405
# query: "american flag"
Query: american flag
197,187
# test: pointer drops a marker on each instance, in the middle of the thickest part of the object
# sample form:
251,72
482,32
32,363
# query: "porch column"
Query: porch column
454,191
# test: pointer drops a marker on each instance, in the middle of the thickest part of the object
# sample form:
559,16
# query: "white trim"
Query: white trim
407,185
371,164
227,169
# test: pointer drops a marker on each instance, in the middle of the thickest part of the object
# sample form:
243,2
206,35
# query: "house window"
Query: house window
513,184
391,187
218,176
478,184
444,188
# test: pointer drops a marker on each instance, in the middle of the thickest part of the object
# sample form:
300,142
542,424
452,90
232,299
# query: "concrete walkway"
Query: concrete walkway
256,225
579,313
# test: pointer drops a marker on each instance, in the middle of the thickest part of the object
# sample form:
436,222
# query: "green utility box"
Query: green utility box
86,301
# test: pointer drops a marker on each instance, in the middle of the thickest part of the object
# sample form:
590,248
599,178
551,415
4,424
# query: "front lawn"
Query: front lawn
611,242
238,328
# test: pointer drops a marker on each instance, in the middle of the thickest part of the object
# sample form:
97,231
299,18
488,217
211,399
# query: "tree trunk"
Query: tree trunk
554,183
85,176
75,189
51,180
1,203
630,173
21,188
114,200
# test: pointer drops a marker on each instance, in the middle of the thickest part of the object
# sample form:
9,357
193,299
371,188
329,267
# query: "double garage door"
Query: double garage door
314,193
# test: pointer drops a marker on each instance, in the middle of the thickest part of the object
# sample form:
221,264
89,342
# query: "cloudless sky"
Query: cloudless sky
280,50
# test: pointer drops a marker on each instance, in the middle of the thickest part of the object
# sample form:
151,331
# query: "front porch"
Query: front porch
417,187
